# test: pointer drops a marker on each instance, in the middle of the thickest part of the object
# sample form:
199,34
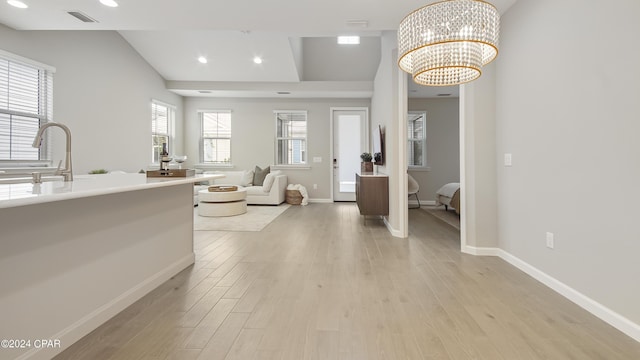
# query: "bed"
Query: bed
449,196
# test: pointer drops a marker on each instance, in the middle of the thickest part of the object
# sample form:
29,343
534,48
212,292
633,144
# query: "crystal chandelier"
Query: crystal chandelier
448,42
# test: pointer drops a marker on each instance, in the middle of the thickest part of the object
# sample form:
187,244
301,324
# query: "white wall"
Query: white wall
253,135
102,91
478,177
567,90
443,145
385,105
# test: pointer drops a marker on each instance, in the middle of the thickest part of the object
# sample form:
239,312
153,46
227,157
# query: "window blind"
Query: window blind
216,137
25,103
161,117
291,137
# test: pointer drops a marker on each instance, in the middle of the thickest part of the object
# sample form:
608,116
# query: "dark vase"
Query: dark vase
366,167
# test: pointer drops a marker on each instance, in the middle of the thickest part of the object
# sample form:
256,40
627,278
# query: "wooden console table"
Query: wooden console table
372,194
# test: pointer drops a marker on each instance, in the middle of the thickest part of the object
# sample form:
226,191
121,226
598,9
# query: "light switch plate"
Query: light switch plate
550,240
507,159
317,159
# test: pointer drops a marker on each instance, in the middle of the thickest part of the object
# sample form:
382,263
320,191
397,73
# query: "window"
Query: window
216,137
162,117
417,139
291,137
26,91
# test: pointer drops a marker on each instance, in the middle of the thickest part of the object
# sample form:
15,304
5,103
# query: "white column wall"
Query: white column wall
567,90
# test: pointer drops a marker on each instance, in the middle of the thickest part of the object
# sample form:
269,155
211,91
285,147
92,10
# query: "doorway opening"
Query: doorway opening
350,138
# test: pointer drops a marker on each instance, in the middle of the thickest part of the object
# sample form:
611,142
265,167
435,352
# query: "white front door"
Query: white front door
350,139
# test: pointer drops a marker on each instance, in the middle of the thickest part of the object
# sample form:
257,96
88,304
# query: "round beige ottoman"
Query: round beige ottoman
222,203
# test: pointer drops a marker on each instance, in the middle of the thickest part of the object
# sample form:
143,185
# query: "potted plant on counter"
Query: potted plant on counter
377,158
366,166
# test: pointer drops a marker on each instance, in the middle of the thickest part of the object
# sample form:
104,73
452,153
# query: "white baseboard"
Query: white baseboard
394,232
423,202
604,313
321,201
99,316
472,250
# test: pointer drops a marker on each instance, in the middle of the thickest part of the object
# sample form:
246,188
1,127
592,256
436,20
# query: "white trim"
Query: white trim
213,110
201,136
463,164
14,57
367,120
423,202
305,139
159,102
394,232
321,201
306,112
595,308
481,251
93,320
401,171
290,167
604,313
423,141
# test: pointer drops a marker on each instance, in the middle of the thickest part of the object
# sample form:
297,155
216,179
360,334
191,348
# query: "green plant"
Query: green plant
366,157
98,171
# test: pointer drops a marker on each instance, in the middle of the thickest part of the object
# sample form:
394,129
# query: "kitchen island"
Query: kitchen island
74,254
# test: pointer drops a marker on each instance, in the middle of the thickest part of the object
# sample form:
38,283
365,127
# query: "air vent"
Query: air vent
283,93
357,23
82,17
204,91
444,94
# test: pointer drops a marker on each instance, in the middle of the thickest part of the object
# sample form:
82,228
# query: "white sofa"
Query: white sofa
256,195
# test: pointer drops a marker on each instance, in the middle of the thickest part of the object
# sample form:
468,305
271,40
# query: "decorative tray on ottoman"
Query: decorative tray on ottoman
222,188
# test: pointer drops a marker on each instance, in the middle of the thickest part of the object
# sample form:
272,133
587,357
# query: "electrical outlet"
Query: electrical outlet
550,240
315,186
317,159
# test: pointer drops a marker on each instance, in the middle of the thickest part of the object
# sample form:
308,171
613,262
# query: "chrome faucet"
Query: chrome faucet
67,172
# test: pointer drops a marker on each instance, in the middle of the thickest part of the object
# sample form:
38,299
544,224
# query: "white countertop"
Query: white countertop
20,194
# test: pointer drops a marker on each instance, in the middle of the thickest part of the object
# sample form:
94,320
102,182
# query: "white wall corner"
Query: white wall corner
394,232
604,313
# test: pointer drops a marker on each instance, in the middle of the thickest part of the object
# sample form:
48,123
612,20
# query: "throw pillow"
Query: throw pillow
259,175
247,178
269,179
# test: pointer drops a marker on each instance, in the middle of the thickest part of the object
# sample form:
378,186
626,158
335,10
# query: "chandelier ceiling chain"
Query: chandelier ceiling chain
448,42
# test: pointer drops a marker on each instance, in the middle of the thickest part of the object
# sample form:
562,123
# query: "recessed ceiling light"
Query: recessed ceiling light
202,59
348,40
257,60
17,3
109,3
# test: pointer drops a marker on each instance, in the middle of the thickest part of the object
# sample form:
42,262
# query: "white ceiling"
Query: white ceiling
171,34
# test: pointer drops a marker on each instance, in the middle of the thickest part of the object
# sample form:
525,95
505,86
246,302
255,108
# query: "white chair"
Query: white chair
412,189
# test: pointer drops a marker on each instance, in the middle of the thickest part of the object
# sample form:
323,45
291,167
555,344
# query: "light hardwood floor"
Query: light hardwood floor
318,284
